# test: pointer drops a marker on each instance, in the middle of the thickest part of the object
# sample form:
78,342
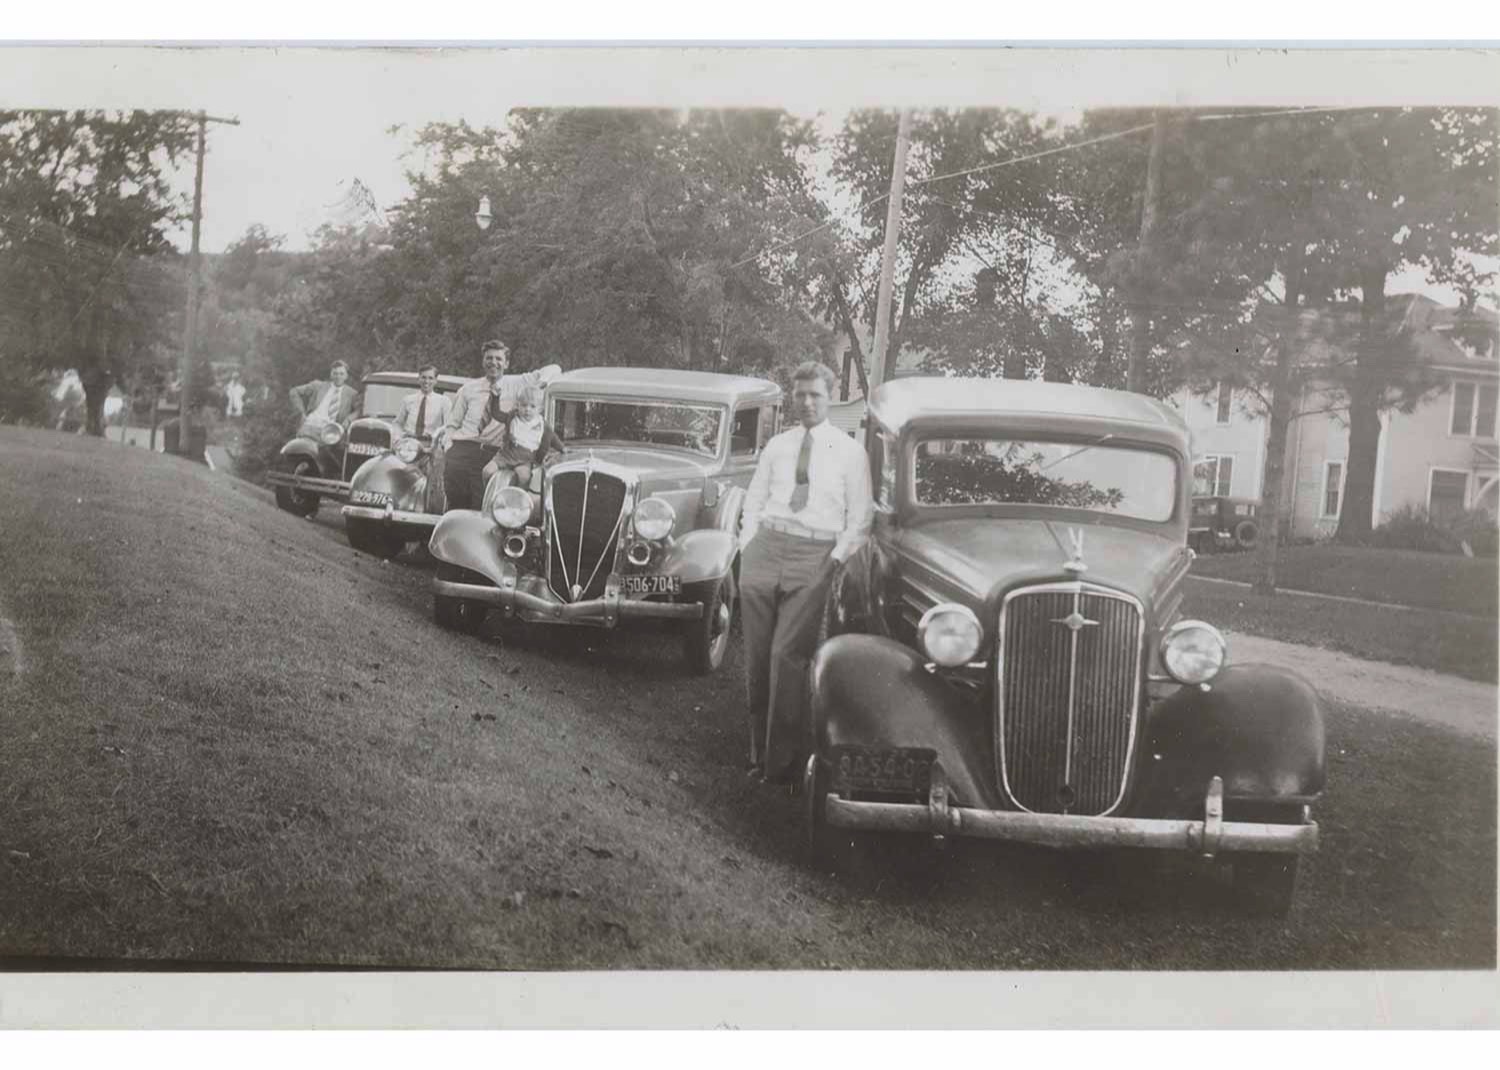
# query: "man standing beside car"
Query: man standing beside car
424,412
326,400
808,509
477,421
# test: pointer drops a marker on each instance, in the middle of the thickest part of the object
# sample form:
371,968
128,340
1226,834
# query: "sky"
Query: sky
314,119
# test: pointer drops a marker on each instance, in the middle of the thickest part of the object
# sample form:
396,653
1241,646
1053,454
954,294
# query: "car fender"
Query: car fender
302,447
871,691
706,554
1258,727
466,538
389,474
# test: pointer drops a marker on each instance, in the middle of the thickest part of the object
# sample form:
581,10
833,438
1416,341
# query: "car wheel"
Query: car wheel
706,641
375,539
458,614
294,501
1265,885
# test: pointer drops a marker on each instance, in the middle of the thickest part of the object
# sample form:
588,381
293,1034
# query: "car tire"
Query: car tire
706,640
373,538
294,501
1265,885
458,614
1246,534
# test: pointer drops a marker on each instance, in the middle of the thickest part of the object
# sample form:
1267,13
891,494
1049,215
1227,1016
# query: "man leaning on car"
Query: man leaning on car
477,421
325,400
807,510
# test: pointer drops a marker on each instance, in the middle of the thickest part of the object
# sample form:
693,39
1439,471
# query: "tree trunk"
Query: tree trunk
95,390
1269,547
1366,392
1140,308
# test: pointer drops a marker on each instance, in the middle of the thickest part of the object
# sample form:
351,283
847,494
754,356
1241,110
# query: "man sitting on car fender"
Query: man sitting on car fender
327,399
478,420
807,510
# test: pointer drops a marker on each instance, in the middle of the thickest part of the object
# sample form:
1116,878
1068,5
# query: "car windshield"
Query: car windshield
656,423
1105,478
384,399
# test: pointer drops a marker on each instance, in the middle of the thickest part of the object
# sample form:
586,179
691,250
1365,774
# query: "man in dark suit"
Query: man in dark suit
324,400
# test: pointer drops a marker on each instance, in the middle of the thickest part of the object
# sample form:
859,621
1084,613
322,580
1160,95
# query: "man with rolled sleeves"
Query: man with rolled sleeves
807,510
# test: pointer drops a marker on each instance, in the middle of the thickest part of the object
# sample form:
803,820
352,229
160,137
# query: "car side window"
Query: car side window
744,434
770,423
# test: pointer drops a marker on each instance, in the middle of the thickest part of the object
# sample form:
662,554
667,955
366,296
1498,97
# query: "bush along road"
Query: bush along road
236,740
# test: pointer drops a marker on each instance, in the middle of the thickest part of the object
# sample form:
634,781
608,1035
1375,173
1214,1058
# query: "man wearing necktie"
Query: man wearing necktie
425,411
807,510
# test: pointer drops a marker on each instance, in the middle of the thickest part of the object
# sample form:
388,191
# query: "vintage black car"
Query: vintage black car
395,495
639,518
1007,656
320,460
1220,523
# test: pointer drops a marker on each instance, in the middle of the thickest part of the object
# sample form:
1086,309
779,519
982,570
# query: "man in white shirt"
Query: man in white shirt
478,420
425,411
808,509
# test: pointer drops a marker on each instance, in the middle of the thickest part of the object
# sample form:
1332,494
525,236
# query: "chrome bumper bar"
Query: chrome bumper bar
331,488
390,515
604,610
1207,837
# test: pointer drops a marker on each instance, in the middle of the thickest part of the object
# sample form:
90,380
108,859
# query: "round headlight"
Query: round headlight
654,518
1192,651
949,634
331,434
512,508
408,449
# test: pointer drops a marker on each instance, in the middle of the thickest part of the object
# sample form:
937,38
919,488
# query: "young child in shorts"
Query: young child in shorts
528,439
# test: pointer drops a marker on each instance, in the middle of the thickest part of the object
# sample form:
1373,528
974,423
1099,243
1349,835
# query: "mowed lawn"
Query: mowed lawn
1399,577
238,741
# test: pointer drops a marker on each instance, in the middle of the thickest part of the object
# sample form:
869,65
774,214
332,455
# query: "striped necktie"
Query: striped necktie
804,458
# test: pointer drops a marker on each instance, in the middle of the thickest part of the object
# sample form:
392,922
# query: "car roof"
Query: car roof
913,398
667,384
445,383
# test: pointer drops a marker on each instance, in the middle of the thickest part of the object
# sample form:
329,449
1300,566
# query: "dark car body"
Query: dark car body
1222,523
1063,728
391,501
321,459
580,557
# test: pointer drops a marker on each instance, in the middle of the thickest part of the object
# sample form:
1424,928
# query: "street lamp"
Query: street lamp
484,217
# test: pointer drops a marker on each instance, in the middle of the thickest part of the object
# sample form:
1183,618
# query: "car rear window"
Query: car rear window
1105,478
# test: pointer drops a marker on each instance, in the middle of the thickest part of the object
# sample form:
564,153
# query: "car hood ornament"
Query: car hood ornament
1076,562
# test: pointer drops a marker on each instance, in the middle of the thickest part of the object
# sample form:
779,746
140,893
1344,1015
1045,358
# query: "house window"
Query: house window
1474,409
1224,397
1213,475
1447,493
1333,487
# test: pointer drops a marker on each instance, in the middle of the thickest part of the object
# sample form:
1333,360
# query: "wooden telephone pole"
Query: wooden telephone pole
195,282
888,254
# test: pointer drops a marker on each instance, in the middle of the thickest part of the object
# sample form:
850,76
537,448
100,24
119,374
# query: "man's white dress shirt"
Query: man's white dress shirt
839,503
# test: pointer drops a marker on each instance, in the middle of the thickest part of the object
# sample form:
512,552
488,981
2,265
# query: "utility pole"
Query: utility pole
1140,313
190,325
888,254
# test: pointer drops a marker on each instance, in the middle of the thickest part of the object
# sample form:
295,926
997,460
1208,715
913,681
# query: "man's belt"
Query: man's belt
802,531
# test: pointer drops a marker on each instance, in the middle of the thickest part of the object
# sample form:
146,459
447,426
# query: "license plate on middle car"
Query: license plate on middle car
643,585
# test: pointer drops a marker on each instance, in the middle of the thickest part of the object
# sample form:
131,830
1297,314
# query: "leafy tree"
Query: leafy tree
85,205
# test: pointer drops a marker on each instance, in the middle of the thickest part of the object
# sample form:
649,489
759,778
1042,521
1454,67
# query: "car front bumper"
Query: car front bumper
535,601
390,515
939,819
328,488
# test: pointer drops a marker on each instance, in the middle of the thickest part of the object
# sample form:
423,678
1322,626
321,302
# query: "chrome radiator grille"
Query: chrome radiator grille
370,435
1067,696
584,519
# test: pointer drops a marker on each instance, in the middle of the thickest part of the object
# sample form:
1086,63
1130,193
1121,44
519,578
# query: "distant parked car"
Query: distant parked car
1007,655
320,460
638,519
396,494
1222,523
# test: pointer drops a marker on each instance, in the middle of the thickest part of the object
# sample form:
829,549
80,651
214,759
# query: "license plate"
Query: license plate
368,497
653,584
884,769
367,448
